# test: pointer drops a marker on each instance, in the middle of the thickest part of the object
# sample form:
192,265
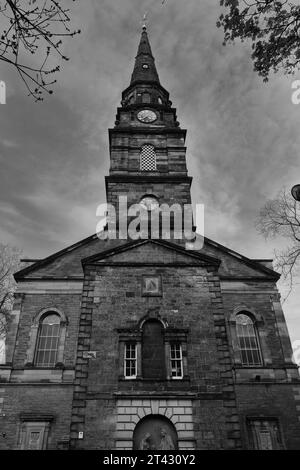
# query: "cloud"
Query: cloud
243,135
8,143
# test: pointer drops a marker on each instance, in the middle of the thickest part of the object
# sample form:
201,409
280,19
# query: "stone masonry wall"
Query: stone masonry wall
191,299
35,400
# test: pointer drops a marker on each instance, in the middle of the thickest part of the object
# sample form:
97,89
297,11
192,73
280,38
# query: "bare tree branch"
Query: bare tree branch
280,217
9,264
33,26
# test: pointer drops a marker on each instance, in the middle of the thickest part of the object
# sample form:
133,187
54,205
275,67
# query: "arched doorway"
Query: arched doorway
155,432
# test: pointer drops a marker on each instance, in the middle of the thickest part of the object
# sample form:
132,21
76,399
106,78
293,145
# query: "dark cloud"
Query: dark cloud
243,135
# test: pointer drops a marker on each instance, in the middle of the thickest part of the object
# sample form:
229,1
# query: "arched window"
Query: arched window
148,158
48,340
248,340
153,350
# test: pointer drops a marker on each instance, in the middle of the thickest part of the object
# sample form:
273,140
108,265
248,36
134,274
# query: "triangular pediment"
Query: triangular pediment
67,263
156,252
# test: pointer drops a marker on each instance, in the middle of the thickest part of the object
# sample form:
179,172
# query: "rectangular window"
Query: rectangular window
265,434
130,361
176,361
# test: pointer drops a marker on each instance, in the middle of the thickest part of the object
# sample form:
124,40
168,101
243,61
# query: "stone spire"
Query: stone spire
144,68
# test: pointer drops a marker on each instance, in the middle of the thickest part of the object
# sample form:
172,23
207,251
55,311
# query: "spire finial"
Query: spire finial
145,21
144,67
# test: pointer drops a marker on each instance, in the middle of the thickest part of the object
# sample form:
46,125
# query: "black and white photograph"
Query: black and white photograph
149,229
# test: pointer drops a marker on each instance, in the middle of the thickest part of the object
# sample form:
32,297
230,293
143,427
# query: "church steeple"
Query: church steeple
147,144
144,68
145,85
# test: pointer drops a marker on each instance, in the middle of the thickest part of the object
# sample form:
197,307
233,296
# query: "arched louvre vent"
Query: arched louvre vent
148,158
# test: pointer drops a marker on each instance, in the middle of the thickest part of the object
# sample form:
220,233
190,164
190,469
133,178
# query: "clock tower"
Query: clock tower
147,145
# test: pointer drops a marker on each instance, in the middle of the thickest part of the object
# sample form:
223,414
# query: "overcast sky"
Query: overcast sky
243,135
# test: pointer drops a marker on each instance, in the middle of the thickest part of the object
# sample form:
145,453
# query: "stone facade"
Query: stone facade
208,397
130,412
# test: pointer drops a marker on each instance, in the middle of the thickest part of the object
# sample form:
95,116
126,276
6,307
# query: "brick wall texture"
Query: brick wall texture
209,407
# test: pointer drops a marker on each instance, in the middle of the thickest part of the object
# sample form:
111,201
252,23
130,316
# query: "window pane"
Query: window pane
256,358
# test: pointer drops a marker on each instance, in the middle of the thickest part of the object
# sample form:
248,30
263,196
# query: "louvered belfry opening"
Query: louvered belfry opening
148,158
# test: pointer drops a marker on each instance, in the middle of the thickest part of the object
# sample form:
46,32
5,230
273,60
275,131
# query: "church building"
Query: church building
147,343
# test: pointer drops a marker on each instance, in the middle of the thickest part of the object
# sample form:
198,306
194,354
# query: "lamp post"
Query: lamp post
296,192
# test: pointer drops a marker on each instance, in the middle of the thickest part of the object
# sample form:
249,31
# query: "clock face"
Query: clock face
146,116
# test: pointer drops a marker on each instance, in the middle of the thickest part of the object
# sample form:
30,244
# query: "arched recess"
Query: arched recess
36,324
36,320
155,432
152,314
153,350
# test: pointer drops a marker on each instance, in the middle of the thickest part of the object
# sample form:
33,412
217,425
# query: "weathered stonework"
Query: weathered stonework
129,413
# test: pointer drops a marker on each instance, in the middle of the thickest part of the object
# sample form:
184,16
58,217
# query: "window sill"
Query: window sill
31,365
186,378
241,366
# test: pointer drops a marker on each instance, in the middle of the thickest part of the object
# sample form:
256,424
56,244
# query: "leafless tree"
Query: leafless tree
9,264
32,26
280,217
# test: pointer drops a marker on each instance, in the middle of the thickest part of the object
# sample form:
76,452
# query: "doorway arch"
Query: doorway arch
155,432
